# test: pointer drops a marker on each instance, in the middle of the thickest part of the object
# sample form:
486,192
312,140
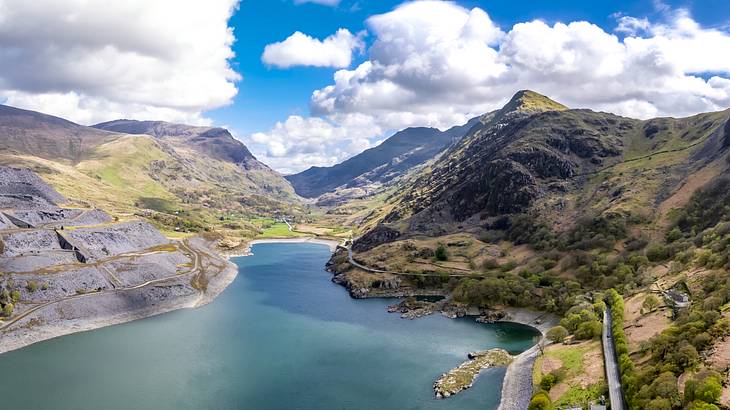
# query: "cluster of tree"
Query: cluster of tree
707,207
545,291
588,233
678,349
8,299
582,321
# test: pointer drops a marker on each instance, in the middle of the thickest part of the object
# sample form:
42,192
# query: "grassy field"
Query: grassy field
581,370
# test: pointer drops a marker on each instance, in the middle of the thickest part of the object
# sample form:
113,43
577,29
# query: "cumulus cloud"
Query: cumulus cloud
93,60
300,49
298,142
435,63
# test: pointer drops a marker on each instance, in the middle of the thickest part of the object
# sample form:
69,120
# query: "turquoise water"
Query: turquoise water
282,336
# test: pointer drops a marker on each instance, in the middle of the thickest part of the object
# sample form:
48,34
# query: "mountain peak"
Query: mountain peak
531,102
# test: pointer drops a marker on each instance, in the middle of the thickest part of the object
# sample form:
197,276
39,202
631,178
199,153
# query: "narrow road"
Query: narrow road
615,394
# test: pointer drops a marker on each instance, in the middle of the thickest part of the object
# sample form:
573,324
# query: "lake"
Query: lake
281,336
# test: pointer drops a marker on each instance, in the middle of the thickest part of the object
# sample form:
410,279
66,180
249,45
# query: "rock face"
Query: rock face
20,183
503,166
103,242
380,235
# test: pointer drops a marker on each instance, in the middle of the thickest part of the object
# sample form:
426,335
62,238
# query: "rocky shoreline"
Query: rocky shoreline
517,383
463,376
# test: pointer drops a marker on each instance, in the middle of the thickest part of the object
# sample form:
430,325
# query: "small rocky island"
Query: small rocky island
462,377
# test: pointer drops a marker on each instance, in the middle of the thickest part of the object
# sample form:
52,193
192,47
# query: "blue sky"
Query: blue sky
339,79
267,94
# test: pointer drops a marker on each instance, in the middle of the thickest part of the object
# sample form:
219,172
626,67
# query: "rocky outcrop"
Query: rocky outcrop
413,309
379,235
463,377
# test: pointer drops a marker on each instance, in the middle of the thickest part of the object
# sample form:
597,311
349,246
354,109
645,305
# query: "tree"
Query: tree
709,390
8,309
659,403
588,330
651,302
557,334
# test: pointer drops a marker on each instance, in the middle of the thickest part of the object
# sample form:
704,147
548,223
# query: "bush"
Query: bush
708,390
658,253
32,286
441,253
15,296
8,309
548,381
651,302
588,330
540,401
557,334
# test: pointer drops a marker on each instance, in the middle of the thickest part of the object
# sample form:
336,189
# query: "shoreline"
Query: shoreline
517,383
245,250
517,380
25,333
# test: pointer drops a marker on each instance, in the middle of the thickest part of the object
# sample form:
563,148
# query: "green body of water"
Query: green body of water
282,336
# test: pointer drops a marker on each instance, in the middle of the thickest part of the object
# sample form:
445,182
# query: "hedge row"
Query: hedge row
626,366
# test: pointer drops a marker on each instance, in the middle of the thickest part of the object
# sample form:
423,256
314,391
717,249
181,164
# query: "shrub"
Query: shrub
490,263
708,390
658,253
441,253
588,330
8,309
15,296
557,334
540,401
651,302
32,286
548,381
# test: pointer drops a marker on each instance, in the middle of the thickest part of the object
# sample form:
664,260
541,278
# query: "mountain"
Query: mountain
179,175
536,157
46,136
379,165
216,143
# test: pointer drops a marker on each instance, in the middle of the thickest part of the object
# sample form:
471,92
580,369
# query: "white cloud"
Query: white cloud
298,143
300,49
93,60
435,63
322,2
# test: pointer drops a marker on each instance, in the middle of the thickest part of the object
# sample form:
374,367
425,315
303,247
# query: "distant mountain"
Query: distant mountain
127,166
536,157
379,165
216,142
46,136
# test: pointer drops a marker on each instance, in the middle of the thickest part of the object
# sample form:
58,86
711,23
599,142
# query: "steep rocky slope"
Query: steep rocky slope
535,156
396,156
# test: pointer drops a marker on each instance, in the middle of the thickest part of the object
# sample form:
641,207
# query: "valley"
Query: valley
535,207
